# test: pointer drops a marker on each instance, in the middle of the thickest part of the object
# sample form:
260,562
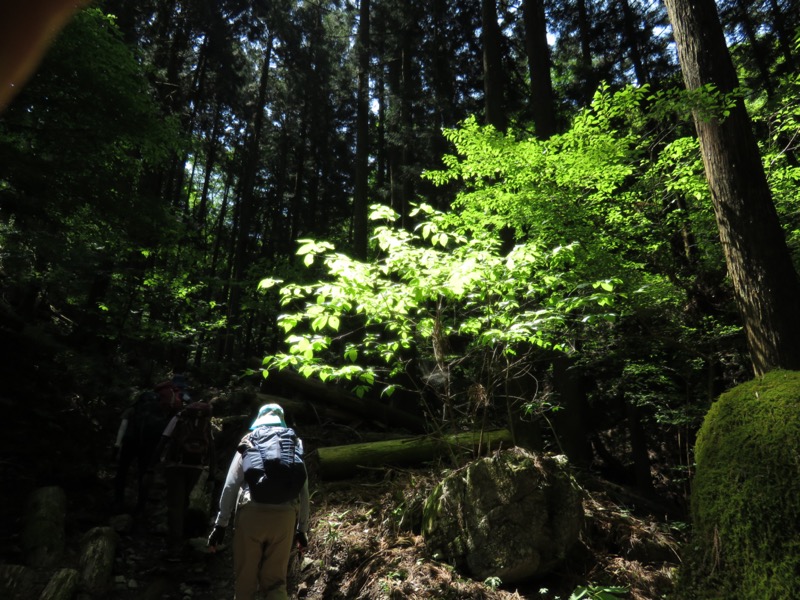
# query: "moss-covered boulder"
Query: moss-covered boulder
746,494
514,516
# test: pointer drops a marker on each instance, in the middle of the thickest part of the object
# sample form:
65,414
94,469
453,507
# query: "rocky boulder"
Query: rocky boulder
513,516
746,494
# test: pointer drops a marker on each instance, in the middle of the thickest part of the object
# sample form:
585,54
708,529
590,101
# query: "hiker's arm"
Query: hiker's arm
230,491
158,453
166,437
123,427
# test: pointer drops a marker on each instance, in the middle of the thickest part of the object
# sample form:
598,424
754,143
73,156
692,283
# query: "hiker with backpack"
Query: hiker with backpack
139,434
267,486
187,451
174,392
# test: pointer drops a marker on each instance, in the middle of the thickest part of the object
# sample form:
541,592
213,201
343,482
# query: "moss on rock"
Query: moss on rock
746,494
514,515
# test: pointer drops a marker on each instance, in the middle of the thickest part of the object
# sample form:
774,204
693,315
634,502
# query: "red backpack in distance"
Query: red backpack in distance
191,440
171,397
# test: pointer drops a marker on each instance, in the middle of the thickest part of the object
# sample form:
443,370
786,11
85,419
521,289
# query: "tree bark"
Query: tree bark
360,192
765,284
585,60
246,208
632,40
492,66
338,462
408,92
572,423
538,51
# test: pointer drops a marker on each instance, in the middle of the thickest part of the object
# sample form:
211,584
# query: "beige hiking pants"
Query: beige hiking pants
262,543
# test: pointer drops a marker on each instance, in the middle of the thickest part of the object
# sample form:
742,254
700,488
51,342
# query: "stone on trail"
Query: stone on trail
513,516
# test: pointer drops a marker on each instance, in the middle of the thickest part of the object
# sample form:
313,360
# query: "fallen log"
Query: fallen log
325,393
339,462
304,410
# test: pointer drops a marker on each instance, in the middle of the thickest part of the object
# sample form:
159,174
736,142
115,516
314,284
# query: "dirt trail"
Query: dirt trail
145,570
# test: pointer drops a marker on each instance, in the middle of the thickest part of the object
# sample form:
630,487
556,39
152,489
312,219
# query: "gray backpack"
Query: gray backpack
274,470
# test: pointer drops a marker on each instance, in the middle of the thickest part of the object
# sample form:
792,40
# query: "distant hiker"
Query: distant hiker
187,447
267,484
137,438
174,392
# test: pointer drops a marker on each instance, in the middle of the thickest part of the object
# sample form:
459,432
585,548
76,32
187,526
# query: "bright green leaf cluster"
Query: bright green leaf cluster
361,322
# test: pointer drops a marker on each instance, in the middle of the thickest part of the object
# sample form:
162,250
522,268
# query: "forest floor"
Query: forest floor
364,543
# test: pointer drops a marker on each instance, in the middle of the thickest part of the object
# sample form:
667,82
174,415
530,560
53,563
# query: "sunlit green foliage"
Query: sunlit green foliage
780,149
619,197
424,289
626,181
619,180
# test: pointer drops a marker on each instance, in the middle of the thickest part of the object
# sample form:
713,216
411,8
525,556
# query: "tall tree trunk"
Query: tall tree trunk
442,82
219,232
765,283
756,49
381,152
572,423
299,207
639,451
277,225
442,77
247,208
407,123
360,199
538,51
394,146
492,66
784,38
632,40
394,154
585,59
200,216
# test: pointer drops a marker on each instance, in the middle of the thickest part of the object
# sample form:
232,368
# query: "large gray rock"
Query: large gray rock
98,549
62,585
18,582
514,516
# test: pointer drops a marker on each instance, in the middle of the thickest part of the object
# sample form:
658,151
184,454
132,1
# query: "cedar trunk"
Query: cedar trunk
492,66
538,51
360,192
765,284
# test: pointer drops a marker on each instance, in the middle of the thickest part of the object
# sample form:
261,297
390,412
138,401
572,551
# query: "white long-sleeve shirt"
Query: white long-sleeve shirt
234,492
